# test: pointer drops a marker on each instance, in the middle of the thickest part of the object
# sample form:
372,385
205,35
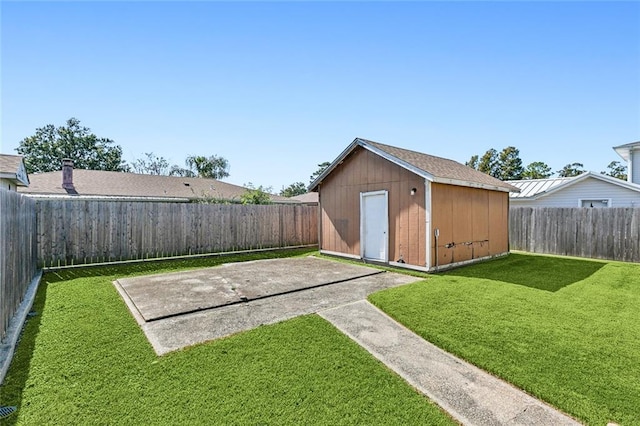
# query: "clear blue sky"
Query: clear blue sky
277,88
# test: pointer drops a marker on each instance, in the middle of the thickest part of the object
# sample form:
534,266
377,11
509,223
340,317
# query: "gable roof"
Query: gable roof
99,183
537,188
430,167
12,167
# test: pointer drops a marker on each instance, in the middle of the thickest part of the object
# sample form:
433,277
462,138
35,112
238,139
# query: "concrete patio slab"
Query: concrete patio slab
337,292
471,395
288,288
166,295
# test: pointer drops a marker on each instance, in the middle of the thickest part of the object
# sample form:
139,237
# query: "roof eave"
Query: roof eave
474,185
105,197
312,187
615,181
362,143
624,150
395,160
14,178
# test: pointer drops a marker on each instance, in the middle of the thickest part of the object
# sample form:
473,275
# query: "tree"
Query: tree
489,163
616,170
181,171
571,170
510,164
321,168
505,165
213,167
473,162
537,170
153,165
253,195
297,188
44,151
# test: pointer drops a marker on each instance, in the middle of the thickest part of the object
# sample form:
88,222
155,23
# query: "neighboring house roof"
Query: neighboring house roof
12,167
98,183
432,168
624,151
537,188
532,187
308,198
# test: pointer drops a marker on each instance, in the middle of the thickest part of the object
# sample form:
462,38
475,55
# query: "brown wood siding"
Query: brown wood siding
498,222
473,223
364,171
480,217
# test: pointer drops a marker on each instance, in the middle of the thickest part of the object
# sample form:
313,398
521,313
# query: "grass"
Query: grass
84,360
565,330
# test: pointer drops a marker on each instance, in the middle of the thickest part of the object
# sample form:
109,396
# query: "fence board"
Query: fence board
48,232
75,232
611,233
18,252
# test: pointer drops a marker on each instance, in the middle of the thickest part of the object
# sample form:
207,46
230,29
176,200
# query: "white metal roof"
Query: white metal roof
534,188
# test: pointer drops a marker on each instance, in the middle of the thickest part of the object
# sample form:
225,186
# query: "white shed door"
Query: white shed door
374,225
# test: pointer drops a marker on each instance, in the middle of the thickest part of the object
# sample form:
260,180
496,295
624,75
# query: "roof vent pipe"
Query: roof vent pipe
67,173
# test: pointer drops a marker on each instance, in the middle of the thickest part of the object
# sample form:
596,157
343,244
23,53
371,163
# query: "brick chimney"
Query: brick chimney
67,174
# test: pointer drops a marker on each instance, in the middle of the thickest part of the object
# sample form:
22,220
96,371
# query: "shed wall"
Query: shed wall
364,171
472,222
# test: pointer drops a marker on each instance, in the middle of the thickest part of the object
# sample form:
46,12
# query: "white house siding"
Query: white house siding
6,184
588,189
634,166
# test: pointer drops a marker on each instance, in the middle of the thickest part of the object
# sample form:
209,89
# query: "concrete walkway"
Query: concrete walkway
468,394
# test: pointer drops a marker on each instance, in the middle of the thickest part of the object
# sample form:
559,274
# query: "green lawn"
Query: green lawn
565,330
83,360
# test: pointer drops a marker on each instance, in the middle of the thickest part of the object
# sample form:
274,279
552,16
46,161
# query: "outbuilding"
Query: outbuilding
386,204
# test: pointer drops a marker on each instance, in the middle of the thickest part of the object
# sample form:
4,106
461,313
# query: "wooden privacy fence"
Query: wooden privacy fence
87,231
18,252
600,233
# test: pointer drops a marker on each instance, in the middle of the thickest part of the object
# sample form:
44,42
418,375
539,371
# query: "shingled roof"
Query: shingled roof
98,183
12,167
432,168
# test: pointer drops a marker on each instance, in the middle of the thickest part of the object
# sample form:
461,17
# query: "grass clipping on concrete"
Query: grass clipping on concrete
83,360
565,330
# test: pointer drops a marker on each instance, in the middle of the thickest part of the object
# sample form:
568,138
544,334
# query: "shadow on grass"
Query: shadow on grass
18,374
540,272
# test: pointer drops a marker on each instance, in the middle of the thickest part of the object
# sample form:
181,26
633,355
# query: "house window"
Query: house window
599,203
